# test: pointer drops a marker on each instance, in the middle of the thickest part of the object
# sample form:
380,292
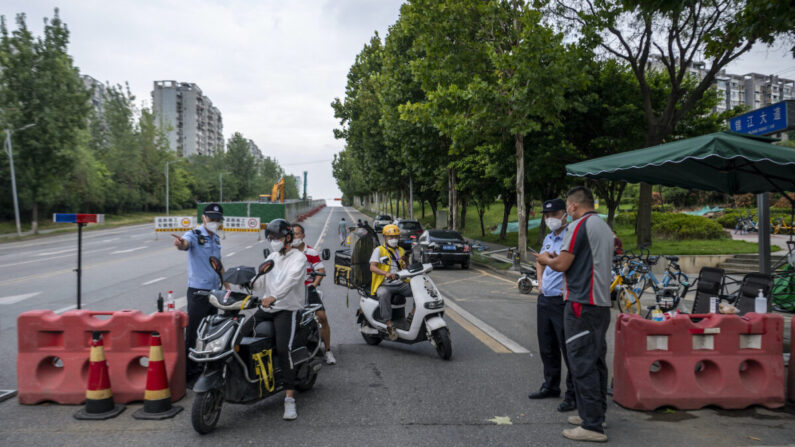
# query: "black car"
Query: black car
410,230
441,247
381,221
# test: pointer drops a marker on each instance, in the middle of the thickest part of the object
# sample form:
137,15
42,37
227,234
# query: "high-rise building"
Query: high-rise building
254,149
189,119
97,90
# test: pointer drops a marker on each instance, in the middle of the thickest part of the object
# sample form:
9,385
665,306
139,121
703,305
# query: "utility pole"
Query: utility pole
9,150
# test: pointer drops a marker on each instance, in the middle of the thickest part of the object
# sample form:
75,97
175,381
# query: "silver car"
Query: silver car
381,221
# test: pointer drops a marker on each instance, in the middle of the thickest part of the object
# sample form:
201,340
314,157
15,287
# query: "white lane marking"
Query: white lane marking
248,247
17,298
153,281
232,254
64,309
325,227
109,240
516,348
118,252
54,257
49,253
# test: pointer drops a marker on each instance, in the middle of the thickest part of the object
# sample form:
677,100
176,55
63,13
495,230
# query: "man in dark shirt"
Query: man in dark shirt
586,257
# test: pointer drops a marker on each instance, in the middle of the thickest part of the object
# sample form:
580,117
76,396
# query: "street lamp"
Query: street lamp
8,150
221,181
168,163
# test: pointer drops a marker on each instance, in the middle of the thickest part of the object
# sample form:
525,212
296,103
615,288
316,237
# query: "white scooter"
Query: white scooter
427,324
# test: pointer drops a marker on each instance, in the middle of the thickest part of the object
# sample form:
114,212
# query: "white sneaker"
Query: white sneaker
330,358
289,409
577,420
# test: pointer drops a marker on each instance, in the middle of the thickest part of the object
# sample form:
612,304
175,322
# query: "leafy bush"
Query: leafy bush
685,226
626,218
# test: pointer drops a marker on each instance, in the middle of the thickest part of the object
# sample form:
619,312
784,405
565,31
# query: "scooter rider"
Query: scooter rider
387,259
283,300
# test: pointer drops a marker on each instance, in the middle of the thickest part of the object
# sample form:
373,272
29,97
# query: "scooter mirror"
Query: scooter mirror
266,267
266,252
216,264
326,254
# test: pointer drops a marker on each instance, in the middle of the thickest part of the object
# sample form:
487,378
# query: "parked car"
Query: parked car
442,247
410,230
381,221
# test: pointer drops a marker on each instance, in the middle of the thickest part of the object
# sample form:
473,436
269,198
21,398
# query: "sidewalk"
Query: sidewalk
779,240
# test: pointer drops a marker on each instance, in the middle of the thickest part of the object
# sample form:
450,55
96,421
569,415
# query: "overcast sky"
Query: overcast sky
271,67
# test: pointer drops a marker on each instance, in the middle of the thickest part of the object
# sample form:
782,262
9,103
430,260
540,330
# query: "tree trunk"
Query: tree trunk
453,201
463,214
432,204
643,223
391,207
521,207
34,224
422,207
481,212
507,204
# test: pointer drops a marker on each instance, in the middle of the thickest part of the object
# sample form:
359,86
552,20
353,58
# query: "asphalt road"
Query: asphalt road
391,394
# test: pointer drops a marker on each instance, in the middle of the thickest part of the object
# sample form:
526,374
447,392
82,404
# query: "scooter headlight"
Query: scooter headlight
217,345
433,305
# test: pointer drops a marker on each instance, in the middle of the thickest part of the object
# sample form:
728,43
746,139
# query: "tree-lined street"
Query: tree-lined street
386,394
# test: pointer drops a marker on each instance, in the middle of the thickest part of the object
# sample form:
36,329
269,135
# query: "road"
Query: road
376,395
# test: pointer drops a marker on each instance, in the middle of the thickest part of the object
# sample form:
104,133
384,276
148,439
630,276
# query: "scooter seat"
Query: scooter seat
264,329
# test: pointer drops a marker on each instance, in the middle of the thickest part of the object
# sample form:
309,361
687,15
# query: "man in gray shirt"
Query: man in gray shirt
586,256
342,231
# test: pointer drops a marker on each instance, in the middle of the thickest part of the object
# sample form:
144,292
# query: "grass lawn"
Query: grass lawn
111,221
493,218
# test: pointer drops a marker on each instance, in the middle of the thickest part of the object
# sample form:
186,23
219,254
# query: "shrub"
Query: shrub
685,226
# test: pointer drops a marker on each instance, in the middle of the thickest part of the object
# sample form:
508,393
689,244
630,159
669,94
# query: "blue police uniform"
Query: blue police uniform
202,244
549,312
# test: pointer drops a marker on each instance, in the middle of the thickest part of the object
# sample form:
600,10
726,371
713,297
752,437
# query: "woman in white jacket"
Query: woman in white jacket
282,300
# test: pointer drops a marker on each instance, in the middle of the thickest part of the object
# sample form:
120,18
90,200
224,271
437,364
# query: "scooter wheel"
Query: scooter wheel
525,286
444,346
371,339
206,411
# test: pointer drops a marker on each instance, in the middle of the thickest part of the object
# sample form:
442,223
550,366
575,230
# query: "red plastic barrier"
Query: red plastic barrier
723,360
52,357
791,360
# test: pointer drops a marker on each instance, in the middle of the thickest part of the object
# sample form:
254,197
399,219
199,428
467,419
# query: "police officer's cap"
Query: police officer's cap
553,205
214,211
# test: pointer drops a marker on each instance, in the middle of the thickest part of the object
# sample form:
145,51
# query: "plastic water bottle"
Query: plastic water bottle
657,315
170,301
760,303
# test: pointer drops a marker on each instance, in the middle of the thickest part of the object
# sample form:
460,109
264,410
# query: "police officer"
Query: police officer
550,307
200,244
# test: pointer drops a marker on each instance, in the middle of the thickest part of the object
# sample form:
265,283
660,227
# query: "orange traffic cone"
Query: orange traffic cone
157,397
99,398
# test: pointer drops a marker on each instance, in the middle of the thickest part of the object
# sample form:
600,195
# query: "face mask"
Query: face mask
392,243
212,227
554,224
277,245
297,242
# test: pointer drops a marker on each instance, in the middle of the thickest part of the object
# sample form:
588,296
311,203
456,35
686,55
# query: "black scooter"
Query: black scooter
239,355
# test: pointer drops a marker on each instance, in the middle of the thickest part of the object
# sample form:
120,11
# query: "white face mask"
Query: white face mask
392,243
554,224
297,242
212,227
277,245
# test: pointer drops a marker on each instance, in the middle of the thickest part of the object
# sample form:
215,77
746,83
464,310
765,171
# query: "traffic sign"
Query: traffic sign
769,120
174,223
241,224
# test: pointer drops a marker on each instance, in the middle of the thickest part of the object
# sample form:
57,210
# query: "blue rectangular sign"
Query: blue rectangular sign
765,121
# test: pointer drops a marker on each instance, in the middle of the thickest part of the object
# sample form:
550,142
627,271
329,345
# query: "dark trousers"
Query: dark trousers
285,323
198,308
551,342
587,347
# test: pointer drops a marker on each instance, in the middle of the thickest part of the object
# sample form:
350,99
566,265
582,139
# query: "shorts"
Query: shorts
314,298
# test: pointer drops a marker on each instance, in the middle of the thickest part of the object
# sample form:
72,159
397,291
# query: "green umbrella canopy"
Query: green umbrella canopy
723,161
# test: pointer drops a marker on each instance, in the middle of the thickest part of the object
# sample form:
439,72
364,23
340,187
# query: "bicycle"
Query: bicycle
628,300
669,291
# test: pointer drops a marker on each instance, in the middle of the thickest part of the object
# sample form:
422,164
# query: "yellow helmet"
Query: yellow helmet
391,230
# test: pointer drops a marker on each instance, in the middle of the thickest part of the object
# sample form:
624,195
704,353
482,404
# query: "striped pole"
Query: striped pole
157,396
99,398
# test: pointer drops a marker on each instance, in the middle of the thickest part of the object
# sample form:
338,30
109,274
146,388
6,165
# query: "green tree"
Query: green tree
672,36
39,84
241,167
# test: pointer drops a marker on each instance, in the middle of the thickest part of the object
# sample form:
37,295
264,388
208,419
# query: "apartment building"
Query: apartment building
190,121
254,149
97,90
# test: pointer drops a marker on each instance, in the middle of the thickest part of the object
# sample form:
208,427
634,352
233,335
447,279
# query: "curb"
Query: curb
507,274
